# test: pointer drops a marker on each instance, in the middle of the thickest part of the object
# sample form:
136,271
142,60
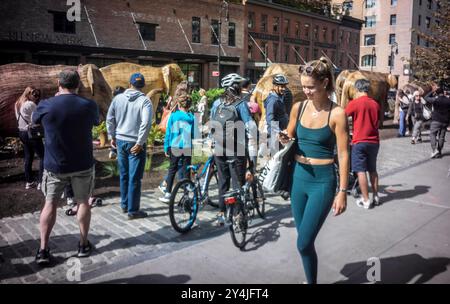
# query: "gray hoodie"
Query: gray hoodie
130,117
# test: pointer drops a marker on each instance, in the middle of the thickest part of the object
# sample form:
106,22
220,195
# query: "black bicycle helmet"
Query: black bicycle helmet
280,79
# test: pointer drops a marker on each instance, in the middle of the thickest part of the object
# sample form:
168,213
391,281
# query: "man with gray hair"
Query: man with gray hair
365,142
68,159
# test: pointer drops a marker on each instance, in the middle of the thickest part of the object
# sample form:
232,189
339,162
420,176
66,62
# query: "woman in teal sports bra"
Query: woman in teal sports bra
319,126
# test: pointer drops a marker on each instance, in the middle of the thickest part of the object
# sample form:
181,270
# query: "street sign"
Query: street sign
215,73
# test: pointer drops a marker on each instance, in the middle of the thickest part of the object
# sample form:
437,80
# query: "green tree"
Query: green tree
432,64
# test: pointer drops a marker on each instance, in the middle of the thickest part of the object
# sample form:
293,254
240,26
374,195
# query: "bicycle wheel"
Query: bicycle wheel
183,206
212,189
259,200
239,225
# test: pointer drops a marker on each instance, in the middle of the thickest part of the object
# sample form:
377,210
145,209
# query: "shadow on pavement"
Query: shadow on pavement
396,270
393,194
151,279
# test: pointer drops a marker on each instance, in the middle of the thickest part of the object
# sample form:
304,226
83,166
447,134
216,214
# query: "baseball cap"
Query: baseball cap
137,80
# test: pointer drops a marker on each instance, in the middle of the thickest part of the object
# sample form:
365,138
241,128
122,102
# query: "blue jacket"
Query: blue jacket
275,112
182,128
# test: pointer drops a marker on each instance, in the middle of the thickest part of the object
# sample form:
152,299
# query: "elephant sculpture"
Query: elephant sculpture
15,77
166,78
379,87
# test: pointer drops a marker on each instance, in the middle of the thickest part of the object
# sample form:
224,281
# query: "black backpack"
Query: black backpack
226,114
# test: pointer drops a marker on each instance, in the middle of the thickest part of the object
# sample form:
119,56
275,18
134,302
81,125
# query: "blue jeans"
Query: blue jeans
402,123
131,172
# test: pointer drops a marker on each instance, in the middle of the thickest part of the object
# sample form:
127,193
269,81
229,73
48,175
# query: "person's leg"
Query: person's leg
359,165
122,160
223,174
434,130
416,129
443,130
53,186
320,195
28,156
402,124
372,150
83,187
173,168
39,148
136,172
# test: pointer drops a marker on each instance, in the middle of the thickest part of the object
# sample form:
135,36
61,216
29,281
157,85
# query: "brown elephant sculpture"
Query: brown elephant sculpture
166,78
15,77
379,87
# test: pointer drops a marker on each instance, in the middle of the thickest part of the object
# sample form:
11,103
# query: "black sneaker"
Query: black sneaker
85,251
43,257
137,215
124,210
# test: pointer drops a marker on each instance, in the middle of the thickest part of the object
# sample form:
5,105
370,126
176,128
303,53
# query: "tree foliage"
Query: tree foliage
432,63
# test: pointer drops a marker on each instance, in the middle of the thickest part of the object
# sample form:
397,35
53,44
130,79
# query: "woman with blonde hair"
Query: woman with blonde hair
24,108
319,126
202,106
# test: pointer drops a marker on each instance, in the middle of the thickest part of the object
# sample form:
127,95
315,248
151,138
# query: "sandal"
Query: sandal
95,202
71,212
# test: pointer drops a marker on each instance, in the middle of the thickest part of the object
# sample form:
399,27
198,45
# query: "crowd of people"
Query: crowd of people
318,126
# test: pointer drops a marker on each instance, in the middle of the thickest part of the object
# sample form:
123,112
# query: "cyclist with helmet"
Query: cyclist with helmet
276,116
233,129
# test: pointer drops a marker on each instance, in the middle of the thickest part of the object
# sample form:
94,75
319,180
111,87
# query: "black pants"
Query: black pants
227,172
31,146
174,167
437,135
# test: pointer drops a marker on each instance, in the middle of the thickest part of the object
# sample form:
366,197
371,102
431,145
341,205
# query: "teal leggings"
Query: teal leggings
312,195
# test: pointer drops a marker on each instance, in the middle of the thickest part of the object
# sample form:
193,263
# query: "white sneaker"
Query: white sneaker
407,133
29,185
220,220
361,203
70,201
162,188
165,198
434,153
38,186
376,200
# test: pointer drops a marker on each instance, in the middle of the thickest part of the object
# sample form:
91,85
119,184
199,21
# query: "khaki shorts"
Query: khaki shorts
82,182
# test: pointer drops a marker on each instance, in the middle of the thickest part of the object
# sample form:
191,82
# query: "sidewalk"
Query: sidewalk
415,213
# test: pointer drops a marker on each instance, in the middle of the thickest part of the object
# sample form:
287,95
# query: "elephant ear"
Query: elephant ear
166,71
90,78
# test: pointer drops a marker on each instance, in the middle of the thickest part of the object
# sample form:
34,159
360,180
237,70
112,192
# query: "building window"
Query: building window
263,48
316,32
418,40
341,60
420,2
251,20
316,54
297,58
370,3
287,25
370,21
419,21
325,34
368,60
306,54
275,52
348,37
263,23
193,73
428,22
369,40
393,2
341,36
147,30
196,29
391,38
427,43
214,31
333,35
61,24
276,24
286,53
232,34
390,63
393,20
333,56
297,29
307,30
429,4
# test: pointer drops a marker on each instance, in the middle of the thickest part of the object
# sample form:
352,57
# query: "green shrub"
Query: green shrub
155,135
111,169
96,130
212,95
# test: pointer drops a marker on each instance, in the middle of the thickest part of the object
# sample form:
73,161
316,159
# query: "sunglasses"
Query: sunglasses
307,69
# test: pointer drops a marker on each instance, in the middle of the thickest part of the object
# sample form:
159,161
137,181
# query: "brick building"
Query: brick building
288,33
388,38
149,32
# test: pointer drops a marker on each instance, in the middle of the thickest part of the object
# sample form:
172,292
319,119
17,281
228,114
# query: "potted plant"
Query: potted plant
100,132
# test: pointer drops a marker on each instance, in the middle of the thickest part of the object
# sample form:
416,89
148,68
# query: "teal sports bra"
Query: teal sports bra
315,143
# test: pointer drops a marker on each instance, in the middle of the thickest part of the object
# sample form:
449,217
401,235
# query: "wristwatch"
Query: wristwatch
343,190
